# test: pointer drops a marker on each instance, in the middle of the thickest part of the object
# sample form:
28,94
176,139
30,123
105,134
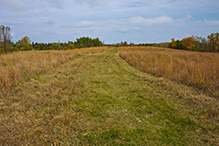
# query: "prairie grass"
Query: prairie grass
23,65
41,108
100,99
200,70
42,111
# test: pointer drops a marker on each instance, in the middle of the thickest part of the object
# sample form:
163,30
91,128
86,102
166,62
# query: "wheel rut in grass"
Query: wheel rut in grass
121,107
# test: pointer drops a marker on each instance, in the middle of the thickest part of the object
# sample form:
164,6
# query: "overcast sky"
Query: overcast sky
138,21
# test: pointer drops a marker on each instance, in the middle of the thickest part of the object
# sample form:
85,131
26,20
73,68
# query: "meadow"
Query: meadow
25,64
196,69
94,97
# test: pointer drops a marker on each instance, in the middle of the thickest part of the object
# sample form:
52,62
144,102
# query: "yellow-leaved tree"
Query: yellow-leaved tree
189,43
173,43
213,41
25,43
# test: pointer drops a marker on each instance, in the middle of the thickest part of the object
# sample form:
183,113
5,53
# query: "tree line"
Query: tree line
195,43
6,45
83,42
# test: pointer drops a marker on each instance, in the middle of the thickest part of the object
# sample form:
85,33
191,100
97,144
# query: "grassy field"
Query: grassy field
99,99
200,70
20,65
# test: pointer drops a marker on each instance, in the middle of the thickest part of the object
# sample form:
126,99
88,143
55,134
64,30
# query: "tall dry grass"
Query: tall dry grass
19,65
200,70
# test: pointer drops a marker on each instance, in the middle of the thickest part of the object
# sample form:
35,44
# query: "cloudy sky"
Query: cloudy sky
138,21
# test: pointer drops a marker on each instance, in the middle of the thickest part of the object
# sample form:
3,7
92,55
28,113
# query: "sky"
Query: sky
113,21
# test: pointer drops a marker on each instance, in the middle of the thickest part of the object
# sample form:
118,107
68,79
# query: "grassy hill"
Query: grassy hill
99,99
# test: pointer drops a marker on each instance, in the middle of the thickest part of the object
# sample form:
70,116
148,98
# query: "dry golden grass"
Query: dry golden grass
42,110
200,70
26,64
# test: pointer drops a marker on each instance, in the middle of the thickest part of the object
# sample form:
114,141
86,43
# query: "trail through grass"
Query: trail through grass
100,100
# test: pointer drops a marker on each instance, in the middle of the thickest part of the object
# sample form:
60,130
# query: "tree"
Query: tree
36,46
0,35
200,43
189,43
43,46
70,45
87,42
132,44
56,46
179,44
97,42
204,45
25,43
6,36
117,45
173,43
213,41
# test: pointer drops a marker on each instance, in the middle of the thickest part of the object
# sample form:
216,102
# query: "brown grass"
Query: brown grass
42,110
200,70
26,64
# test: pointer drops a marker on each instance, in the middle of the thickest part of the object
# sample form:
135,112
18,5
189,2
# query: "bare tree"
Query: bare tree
5,35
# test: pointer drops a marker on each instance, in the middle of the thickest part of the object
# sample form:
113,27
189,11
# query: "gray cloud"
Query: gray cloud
56,3
123,30
91,3
49,23
15,5
50,33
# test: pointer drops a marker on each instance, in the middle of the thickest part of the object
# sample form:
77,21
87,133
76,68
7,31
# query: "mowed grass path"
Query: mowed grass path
99,99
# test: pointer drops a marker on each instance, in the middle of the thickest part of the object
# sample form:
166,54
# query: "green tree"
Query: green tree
87,42
56,46
36,46
179,44
97,42
173,43
213,41
5,36
43,46
70,45
117,45
25,43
